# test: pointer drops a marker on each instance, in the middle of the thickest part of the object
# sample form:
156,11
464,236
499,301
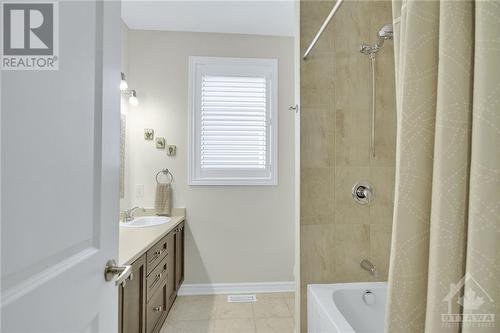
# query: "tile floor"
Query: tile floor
272,313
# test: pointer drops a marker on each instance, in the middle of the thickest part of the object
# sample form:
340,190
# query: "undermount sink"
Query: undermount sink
145,221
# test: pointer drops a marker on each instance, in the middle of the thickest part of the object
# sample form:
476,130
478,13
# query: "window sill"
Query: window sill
233,182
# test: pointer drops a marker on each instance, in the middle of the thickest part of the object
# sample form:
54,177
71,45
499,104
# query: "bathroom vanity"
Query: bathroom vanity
157,258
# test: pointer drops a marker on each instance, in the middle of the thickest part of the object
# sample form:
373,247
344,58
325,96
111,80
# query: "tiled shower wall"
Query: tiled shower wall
336,232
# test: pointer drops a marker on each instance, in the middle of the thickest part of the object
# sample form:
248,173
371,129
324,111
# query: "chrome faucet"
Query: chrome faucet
128,214
368,266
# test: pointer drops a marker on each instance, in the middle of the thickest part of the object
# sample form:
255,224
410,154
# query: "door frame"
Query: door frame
297,59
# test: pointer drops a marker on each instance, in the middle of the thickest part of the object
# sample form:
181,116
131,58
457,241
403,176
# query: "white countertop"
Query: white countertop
134,242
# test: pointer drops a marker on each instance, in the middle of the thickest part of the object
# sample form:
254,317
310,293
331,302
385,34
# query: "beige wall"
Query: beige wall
234,233
337,233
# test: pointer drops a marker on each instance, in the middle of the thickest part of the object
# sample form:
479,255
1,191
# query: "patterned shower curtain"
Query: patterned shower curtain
445,257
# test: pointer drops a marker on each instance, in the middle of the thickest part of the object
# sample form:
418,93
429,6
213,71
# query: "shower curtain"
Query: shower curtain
445,256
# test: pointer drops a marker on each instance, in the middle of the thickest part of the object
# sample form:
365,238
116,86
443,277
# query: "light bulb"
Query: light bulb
123,83
133,98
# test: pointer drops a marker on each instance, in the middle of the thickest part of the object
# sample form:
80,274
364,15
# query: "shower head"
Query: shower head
386,32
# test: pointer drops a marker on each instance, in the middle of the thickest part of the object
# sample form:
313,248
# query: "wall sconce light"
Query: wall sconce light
133,98
123,83
131,94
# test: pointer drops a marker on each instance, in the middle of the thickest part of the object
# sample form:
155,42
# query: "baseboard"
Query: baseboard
235,288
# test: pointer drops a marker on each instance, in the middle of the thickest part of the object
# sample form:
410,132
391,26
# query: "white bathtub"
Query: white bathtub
346,307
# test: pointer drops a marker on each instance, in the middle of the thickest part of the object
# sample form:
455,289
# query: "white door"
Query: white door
59,179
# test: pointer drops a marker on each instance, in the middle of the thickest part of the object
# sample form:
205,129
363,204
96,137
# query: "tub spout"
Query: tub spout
368,266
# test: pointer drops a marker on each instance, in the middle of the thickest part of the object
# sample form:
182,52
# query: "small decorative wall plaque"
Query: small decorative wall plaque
160,143
171,150
149,134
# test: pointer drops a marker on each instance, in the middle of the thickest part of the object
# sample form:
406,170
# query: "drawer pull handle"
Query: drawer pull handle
157,278
157,254
157,309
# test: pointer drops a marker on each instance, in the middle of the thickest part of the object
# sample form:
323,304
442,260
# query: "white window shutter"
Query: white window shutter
233,122
232,127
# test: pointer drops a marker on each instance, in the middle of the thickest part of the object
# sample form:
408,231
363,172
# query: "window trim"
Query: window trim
194,65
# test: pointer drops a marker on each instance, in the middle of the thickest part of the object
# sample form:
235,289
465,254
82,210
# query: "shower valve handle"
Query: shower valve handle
362,192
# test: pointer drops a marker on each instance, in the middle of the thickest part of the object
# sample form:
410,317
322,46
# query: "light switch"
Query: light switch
139,191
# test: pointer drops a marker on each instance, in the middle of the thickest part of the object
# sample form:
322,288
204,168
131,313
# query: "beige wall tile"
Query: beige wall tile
317,197
351,26
385,120
346,210
316,137
303,309
352,81
352,137
316,257
316,82
381,209
337,78
312,14
380,248
352,244
352,105
380,14
385,135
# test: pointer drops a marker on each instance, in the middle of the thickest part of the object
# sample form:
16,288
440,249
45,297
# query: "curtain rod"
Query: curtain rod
323,27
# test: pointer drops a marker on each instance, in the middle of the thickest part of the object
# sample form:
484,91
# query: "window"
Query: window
233,121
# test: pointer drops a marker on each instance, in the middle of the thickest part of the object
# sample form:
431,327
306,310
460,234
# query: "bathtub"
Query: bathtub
346,307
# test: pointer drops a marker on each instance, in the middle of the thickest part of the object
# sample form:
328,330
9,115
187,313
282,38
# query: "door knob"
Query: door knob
124,272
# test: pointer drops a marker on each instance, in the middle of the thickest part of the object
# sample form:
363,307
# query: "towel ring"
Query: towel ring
167,173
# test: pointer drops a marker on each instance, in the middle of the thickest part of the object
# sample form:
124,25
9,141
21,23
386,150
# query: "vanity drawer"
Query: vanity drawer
156,309
156,254
157,277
